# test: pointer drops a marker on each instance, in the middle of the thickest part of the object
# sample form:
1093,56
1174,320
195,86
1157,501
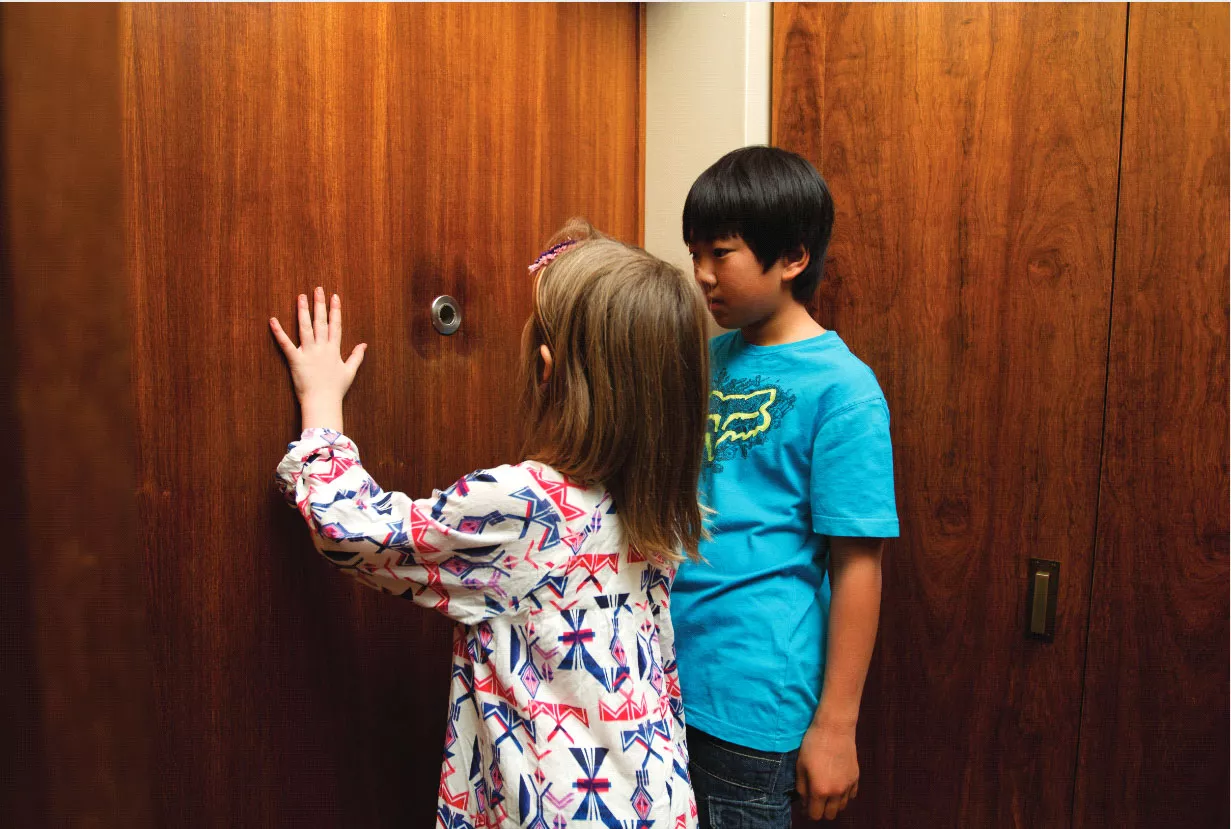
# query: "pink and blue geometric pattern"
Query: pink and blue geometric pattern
565,706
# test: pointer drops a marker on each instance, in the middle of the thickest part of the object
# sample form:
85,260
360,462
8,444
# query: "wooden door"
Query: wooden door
1154,723
391,153
972,151
238,155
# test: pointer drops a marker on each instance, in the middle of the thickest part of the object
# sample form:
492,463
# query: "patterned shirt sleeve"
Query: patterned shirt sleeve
456,552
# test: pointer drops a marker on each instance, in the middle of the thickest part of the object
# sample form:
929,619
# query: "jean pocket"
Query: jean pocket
737,771
726,813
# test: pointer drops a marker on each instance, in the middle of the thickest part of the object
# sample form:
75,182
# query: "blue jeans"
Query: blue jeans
738,787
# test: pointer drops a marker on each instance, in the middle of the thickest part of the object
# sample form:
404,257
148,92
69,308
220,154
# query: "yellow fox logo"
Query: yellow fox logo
738,417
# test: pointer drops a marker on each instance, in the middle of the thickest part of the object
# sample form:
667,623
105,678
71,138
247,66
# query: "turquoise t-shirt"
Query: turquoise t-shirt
797,449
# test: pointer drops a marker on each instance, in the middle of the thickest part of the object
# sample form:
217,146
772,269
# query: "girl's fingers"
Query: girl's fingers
306,336
320,322
335,319
356,358
288,347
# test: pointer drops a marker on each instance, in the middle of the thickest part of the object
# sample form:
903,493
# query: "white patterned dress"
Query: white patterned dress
564,705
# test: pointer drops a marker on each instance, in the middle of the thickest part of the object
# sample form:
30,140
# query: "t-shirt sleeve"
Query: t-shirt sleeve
457,552
852,473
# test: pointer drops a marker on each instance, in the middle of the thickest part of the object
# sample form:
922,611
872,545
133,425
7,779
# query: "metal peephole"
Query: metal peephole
446,315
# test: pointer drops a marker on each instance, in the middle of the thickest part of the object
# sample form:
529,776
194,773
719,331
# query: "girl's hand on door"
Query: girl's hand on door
320,376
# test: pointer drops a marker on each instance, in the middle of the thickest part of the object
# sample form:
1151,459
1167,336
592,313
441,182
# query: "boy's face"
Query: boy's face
738,291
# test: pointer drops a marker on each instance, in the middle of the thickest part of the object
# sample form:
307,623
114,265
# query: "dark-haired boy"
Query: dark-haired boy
799,470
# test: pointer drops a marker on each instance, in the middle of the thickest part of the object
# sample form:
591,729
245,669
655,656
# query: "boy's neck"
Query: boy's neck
790,323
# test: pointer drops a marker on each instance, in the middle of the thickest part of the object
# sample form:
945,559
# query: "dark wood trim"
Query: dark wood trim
69,306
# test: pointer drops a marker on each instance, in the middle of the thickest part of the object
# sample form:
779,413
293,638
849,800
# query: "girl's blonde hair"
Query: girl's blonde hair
626,402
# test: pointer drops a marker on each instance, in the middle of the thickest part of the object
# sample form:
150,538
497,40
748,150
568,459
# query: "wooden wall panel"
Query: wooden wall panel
391,153
1154,725
76,671
972,154
22,759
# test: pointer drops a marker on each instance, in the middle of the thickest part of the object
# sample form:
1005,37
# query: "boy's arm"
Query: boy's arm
827,773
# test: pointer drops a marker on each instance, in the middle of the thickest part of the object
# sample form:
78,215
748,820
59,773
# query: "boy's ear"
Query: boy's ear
793,263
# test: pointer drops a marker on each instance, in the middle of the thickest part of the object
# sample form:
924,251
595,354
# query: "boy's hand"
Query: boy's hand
320,376
827,773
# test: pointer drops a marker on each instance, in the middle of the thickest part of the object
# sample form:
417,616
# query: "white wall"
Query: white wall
707,92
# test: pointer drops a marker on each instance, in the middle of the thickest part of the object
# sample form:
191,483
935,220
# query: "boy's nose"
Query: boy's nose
703,276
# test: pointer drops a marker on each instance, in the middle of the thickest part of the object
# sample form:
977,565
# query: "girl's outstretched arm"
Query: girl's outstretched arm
464,552
456,552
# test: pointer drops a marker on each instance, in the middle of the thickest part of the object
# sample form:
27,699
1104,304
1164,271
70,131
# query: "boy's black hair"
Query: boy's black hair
771,198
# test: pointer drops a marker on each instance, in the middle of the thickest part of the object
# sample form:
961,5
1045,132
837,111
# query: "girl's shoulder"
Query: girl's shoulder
529,487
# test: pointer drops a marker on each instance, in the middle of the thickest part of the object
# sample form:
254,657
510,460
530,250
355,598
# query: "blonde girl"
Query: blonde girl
564,701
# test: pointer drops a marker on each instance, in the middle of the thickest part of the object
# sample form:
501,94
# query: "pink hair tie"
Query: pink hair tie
550,254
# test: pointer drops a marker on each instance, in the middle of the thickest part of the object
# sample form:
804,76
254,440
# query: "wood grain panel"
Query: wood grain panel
78,674
972,154
22,758
391,153
1154,725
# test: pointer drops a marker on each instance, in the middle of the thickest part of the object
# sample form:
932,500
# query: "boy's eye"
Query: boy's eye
721,252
